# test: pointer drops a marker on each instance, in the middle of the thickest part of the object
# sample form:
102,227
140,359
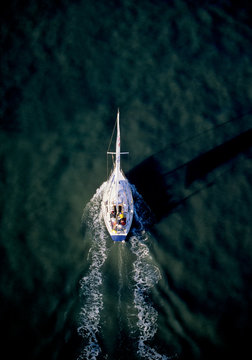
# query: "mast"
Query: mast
118,145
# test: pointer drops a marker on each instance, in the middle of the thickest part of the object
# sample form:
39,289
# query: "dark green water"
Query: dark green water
181,74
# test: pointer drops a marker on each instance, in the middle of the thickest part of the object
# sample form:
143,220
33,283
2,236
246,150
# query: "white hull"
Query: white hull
117,207
117,203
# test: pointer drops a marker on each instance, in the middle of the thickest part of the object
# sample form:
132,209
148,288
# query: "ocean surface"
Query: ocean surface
181,74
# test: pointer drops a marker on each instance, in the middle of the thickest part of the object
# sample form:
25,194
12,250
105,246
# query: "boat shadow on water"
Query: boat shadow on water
164,190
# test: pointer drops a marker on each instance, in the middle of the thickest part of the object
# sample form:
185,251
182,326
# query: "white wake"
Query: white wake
146,275
91,283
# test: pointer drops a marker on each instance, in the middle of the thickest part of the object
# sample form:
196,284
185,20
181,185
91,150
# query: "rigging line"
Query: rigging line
110,145
111,137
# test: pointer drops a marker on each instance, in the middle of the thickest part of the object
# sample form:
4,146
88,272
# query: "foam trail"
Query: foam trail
119,306
92,282
145,274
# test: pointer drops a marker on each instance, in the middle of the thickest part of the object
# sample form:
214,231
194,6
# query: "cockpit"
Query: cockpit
118,218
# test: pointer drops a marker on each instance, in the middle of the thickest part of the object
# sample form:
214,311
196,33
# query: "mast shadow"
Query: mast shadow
165,190
199,167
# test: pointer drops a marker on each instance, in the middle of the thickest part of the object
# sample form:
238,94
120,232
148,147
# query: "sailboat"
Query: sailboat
117,202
